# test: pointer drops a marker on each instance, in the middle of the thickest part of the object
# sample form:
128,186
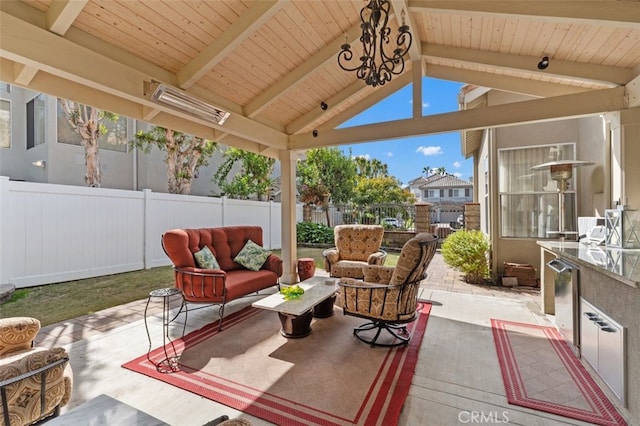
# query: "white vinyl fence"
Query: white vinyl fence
52,233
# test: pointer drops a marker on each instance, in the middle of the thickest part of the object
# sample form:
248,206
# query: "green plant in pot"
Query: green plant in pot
467,251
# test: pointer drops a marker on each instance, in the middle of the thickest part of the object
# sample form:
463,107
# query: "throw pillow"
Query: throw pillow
252,256
205,259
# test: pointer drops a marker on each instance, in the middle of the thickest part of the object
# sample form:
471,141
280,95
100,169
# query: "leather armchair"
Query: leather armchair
34,382
388,296
355,246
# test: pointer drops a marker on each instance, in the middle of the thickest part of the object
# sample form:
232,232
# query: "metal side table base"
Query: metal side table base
169,363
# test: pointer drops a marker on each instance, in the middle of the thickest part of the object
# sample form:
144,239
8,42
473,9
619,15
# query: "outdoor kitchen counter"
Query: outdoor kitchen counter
619,264
609,280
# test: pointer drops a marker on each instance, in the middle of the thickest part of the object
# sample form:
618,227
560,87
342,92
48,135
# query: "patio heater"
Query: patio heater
562,172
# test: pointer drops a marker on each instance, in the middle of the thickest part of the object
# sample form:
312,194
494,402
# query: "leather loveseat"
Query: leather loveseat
228,281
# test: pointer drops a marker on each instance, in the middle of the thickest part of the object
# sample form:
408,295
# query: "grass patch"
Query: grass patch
54,303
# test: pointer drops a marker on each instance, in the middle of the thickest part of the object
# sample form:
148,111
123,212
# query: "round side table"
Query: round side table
170,362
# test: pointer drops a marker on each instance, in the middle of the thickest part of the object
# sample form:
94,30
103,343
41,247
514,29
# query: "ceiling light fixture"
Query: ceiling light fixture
376,65
183,101
324,106
544,63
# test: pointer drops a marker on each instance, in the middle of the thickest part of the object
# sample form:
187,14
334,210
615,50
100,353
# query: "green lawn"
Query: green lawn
59,302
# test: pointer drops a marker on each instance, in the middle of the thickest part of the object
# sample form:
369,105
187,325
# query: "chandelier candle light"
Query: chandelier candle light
376,65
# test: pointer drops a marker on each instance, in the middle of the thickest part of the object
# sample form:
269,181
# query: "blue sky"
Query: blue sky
407,157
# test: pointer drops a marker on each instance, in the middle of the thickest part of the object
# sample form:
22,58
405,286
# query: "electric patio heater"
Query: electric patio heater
562,172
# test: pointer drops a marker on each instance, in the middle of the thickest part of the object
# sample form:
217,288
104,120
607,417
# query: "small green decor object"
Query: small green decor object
292,292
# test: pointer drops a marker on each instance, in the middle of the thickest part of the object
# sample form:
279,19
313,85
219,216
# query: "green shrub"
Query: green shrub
466,251
308,232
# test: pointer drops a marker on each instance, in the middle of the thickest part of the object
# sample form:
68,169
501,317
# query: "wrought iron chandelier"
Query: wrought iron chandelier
376,65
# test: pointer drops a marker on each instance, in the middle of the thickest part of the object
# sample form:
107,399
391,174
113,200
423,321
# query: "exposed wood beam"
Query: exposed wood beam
633,92
63,58
574,70
604,12
370,100
231,38
24,74
62,13
502,82
59,17
555,108
400,6
326,54
416,70
333,102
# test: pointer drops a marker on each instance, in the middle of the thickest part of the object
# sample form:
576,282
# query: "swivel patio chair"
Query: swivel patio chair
388,296
356,246
34,381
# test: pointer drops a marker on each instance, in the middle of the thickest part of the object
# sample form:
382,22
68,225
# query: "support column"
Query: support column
288,199
625,129
472,216
423,217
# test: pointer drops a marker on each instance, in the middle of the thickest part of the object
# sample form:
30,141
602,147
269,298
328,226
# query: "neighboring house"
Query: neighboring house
38,145
519,206
441,189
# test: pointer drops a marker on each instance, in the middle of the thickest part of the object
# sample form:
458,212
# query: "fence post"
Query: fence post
423,217
147,259
5,262
306,212
472,216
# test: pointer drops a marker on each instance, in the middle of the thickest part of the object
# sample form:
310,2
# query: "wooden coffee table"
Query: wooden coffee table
296,314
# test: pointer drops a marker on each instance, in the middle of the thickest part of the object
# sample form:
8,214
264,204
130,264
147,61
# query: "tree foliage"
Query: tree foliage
254,178
88,122
374,168
376,186
184,154
381,190
331,169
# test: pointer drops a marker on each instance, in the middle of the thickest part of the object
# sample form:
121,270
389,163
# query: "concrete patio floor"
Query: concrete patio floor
457,373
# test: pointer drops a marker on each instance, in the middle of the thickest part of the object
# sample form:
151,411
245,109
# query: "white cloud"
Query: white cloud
425,105
457,164
389,154
429,150
365,156
457,174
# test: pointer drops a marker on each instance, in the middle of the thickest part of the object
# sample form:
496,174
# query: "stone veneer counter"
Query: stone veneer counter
609,281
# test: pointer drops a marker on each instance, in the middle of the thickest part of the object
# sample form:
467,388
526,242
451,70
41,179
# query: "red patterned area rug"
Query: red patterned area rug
326,378
540,371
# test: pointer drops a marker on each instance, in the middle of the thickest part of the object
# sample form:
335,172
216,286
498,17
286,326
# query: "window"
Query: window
433,193
467,192
454,193
35,121
114,136
5,124
442,193
529,205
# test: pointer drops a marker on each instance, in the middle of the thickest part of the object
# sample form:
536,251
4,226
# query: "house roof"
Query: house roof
272,63
445,181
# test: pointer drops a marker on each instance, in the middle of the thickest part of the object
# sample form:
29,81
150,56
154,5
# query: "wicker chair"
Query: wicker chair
388,296
356,246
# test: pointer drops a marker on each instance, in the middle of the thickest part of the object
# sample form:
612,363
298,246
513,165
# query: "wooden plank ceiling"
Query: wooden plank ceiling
272,63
